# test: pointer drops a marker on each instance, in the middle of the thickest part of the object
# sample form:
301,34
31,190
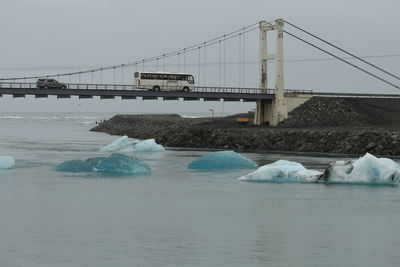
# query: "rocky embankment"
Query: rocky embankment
330,125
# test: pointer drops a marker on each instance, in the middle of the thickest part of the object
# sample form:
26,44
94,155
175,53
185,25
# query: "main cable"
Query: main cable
344,51
347,62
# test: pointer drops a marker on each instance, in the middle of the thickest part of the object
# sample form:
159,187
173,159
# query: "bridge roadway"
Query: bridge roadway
110,91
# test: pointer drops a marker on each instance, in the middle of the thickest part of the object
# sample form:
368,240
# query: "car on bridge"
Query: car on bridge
50,83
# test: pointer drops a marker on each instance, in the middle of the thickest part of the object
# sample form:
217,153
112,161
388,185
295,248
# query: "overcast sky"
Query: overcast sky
53,36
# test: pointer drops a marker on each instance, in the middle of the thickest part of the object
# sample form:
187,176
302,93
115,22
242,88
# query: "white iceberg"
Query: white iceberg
282,171
123,144
7,162
148,145
366,170
118,144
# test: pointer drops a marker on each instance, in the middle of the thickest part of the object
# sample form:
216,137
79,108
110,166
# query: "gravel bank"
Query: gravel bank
328,125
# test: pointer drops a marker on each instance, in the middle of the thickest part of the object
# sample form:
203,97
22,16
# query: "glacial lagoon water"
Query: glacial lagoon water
175,216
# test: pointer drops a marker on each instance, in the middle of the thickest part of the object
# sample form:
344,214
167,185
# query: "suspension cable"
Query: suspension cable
122,74
341,49
219,63
244,58
204,65
240,60
178,61
184,60
224,59
345,61
199,64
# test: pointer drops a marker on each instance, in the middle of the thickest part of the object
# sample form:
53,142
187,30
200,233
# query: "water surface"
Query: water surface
176,216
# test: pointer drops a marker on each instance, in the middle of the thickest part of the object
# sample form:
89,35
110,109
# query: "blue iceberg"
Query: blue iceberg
222,160
116,163
124,145
282,171
7,162
365,170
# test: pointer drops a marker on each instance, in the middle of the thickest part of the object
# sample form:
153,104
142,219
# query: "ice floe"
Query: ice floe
282,171
365,170
148,145
124,145
222,160
7,162
116,163
118,144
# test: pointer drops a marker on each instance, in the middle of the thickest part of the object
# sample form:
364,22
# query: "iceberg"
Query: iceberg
365,170
116,163
282,171
148,145
7,162
123,144
222,160
118,144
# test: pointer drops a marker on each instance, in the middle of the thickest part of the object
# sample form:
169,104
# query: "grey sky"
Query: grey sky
65,34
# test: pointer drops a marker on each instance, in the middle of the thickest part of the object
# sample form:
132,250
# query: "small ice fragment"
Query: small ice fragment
7,162
222,160
116,163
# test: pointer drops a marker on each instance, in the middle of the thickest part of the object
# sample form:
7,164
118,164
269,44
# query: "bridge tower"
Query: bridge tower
275,111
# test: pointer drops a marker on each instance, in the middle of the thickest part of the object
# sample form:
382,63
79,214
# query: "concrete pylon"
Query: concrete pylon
275,111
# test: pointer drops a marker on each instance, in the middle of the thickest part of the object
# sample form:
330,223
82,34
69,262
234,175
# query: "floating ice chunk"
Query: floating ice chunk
7,162
222,160
116,163
148,145
118,144
123,144
367,169
282,171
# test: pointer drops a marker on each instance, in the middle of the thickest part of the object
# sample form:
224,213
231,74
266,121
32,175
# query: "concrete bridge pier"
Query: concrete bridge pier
263,112
275,111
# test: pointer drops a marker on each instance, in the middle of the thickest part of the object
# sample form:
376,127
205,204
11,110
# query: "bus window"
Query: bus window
136,75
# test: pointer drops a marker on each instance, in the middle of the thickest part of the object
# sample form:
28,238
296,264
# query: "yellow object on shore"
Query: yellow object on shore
242,120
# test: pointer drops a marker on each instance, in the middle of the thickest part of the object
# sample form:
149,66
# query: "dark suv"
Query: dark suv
50,83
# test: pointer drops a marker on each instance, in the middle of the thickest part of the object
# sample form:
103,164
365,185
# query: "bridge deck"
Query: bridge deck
109,91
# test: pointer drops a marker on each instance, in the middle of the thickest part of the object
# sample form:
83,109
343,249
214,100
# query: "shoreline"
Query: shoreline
346,126
171,130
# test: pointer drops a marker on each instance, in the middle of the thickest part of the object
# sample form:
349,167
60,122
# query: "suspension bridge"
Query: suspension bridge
221,73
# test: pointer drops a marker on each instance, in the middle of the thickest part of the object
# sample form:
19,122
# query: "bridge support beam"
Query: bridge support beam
268,112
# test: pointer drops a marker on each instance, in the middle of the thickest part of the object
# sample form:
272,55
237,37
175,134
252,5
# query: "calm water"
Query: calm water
177,217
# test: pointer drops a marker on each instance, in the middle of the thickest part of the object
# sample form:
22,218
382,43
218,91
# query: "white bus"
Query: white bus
168,81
